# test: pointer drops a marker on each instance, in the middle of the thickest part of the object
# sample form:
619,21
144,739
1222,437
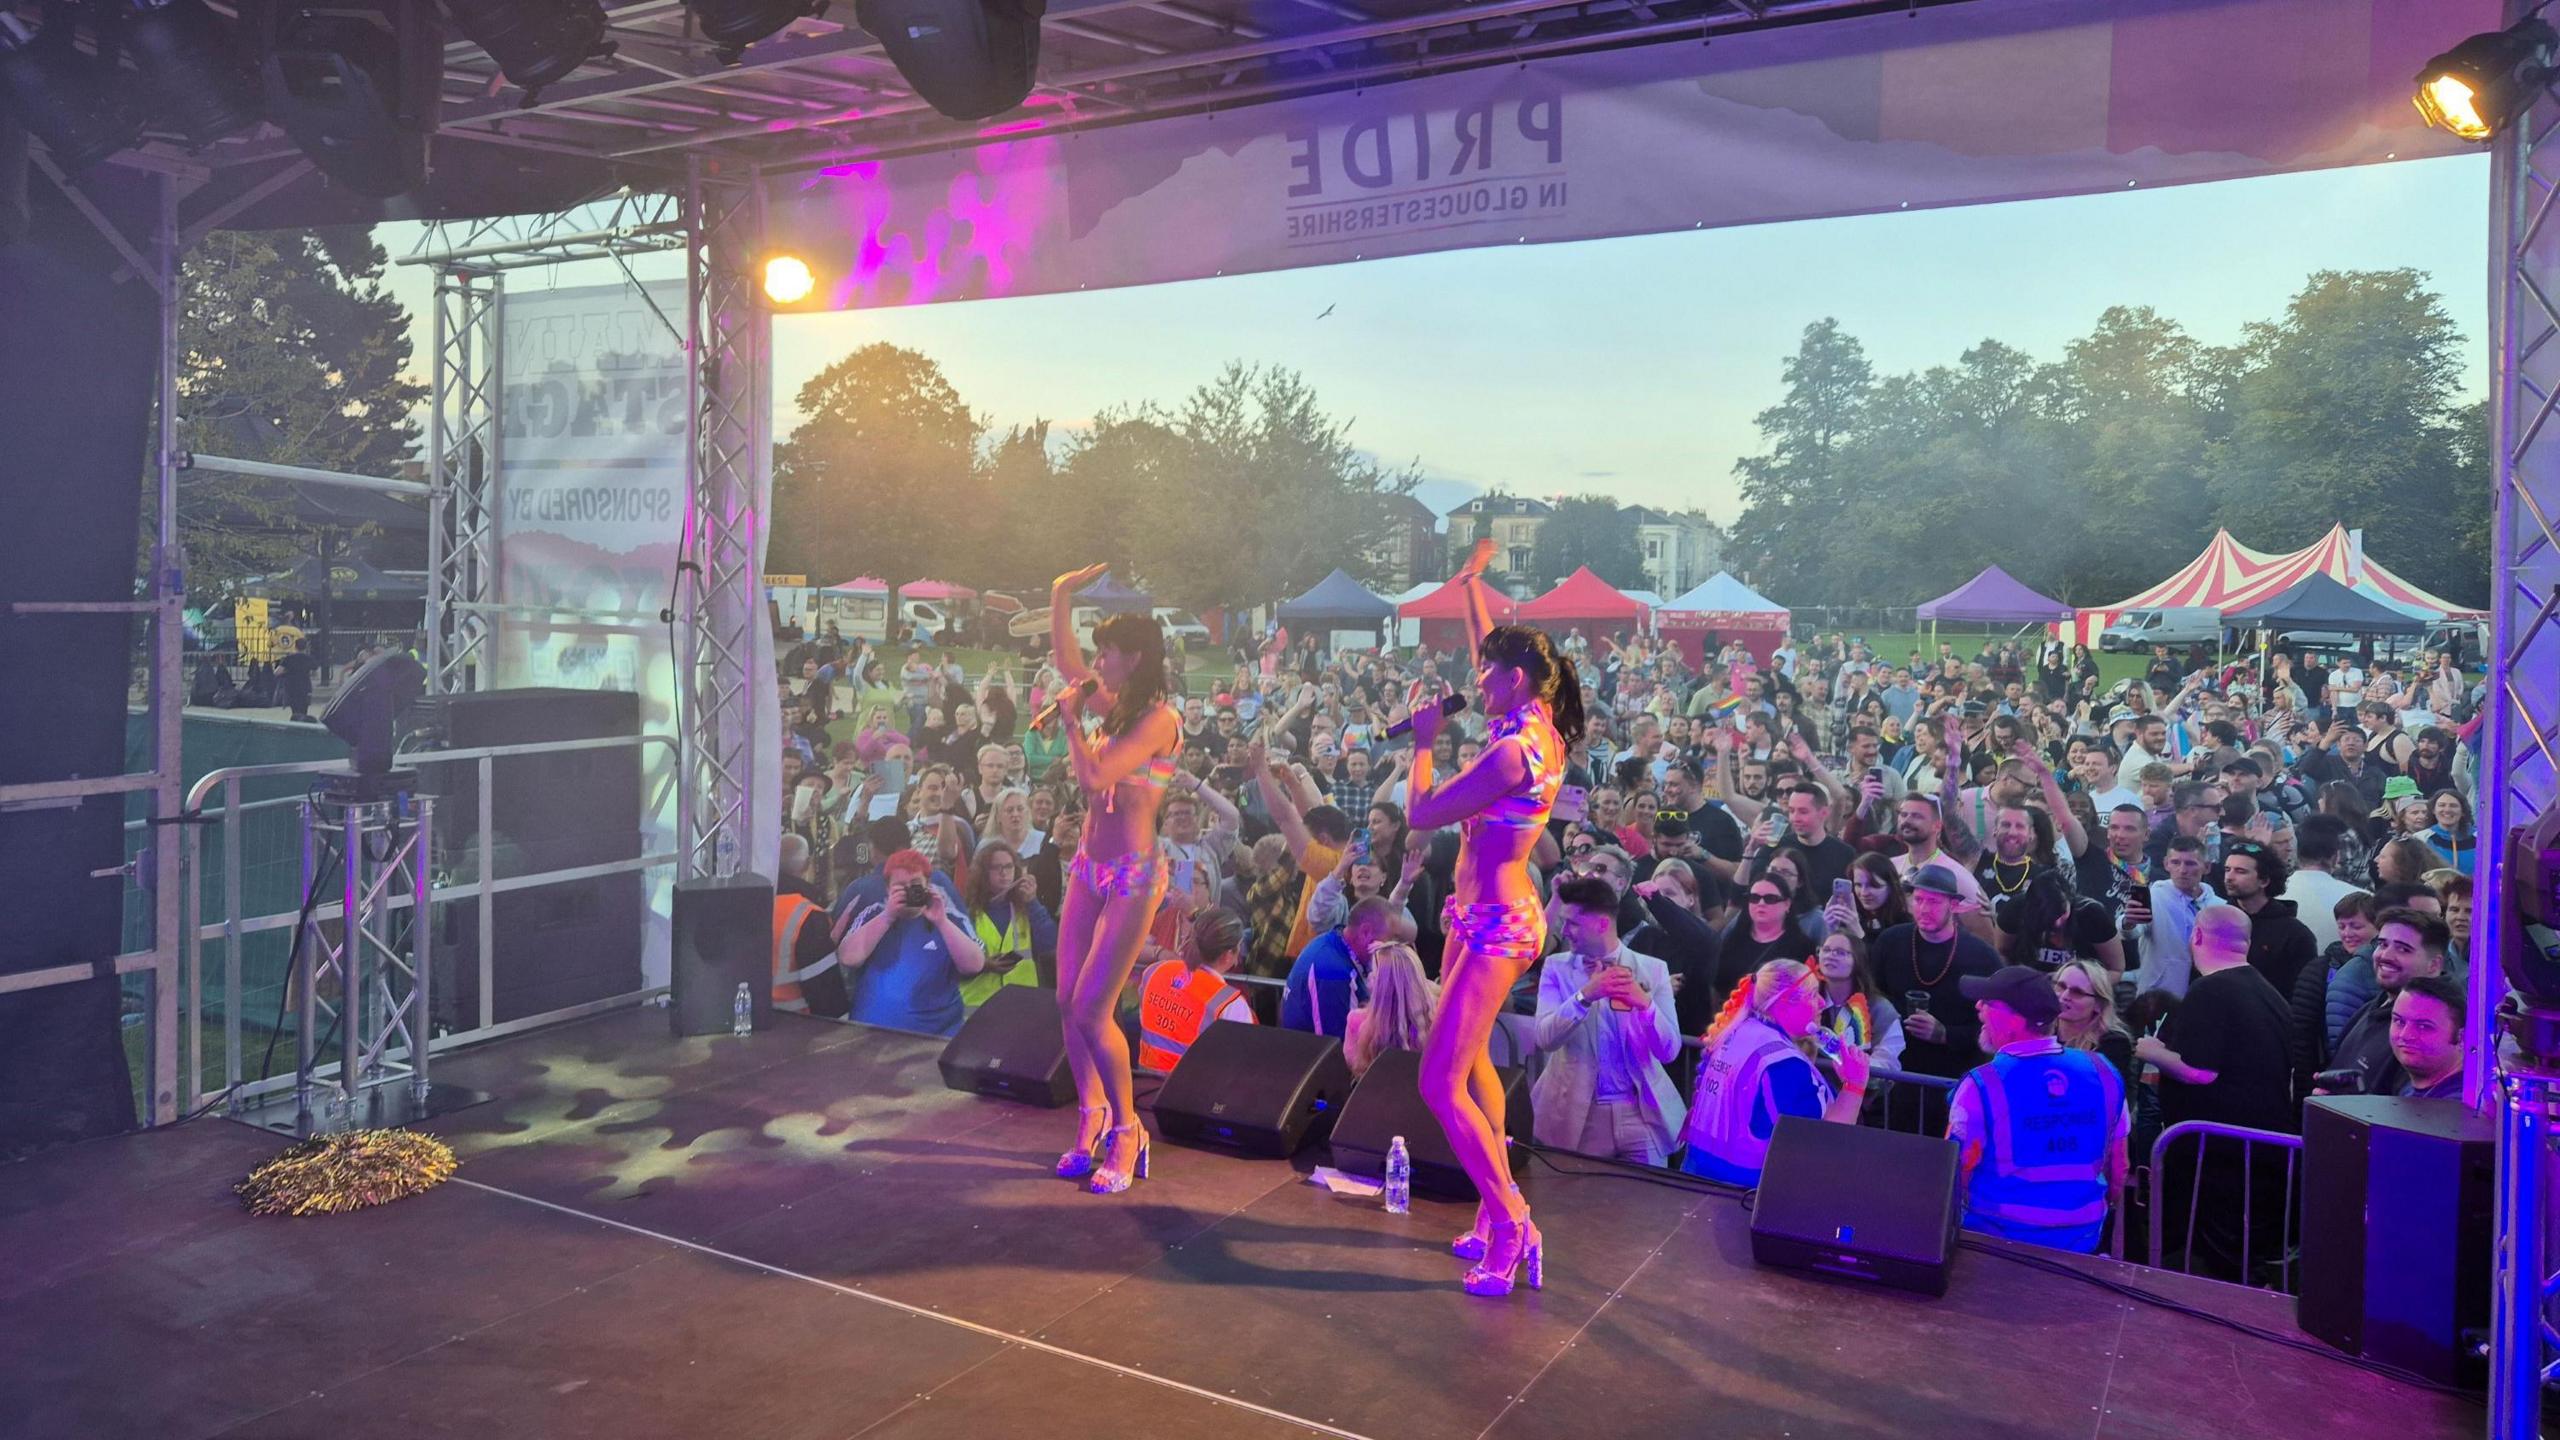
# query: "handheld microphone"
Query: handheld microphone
1048,714
1449,705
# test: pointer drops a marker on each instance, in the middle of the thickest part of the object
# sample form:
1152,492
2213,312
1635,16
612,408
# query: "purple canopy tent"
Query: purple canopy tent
1998,598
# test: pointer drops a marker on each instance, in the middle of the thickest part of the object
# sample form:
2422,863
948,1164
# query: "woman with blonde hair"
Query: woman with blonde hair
1402,1001
1759,1065
2089,1017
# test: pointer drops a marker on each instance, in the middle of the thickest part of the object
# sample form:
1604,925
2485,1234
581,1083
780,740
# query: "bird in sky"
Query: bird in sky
1327,311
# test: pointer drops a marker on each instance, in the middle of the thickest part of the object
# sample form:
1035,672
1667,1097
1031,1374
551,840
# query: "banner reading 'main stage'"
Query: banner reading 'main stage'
1949,106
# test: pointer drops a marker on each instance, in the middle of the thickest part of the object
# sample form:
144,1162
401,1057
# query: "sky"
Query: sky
1632,367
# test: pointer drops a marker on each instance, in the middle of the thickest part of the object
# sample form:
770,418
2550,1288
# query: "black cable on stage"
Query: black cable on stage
301,921
1613,1169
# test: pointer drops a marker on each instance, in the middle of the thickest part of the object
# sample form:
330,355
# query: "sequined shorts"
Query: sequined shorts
1137,874
1516,931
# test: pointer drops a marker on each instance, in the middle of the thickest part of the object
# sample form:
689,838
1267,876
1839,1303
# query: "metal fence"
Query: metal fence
2206,1203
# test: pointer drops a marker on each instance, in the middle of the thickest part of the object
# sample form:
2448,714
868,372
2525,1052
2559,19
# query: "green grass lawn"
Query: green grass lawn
1896,646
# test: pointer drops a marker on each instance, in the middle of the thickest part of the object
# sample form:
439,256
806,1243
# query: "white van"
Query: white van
2168,625
1181,626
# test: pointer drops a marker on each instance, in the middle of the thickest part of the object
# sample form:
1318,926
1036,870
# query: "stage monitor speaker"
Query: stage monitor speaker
1387,1102
723,938
2396,1198
969,59
1254,1088
1012,1046
1873,1205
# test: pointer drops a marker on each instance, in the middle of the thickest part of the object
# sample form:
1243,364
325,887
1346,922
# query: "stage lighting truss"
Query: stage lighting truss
2475,88
535,42
733,25
62,92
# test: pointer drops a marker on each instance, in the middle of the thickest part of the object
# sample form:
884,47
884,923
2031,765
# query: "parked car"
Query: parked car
1181,626
2168,625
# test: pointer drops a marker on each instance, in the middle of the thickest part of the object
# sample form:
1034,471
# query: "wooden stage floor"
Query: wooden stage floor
804,1235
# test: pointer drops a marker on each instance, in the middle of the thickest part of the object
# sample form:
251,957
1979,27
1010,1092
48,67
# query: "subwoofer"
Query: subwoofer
722,939
1388,1102
1254,1088
2396,1198
1012,1046
1872,1205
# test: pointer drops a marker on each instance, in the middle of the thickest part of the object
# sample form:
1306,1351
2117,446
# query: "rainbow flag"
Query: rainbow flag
1725,707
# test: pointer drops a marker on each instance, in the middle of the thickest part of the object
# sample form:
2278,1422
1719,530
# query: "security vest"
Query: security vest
1013,937
1174,1001
1731,1080
790,912
2048,1123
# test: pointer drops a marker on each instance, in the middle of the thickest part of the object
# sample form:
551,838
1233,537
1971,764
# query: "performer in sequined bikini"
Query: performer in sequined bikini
1118,874
1494,919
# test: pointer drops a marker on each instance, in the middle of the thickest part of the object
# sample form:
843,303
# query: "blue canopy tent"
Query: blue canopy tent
1111,597
1339,602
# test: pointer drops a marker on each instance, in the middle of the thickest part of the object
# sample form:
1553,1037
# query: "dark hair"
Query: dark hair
2271,866
1589,892
1214,932
1897,906
2316,839
1550,673
1328,824
2444,992
2357,902
2182,844
2433,933
2400,892
1139,635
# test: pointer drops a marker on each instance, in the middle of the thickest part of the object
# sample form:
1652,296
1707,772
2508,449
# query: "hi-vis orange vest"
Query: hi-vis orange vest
1174,1001
790,912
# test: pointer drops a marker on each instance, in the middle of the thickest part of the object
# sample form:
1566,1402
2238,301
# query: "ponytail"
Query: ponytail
1565,701
1774,975
1732,1011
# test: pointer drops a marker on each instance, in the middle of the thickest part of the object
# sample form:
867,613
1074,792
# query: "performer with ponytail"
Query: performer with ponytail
1494,920
1759,1065
1118,875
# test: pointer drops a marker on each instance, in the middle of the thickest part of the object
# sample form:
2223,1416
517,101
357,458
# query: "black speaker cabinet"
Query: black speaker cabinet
1254,1088
1012,1046
2396,1198
1387,1103
1820,1205
723,938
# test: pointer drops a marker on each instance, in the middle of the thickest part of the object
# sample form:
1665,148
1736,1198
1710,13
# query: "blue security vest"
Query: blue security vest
1733,1079
2049,1121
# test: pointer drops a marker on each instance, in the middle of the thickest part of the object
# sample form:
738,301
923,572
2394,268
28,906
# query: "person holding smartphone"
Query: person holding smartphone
1012,926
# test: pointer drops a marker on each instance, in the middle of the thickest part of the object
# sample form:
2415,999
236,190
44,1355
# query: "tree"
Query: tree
290,351
1789,493
1589,530
881,477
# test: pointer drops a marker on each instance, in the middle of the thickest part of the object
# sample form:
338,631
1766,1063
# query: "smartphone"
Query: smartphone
800,795
1183,870
893,776
1360,846
1841,893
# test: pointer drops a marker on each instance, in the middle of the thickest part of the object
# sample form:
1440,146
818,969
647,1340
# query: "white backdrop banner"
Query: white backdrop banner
1953,105
591,504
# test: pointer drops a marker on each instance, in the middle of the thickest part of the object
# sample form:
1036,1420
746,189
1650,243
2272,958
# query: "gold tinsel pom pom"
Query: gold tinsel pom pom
354,1171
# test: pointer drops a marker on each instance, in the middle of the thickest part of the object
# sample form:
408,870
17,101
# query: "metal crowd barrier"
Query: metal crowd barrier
2251,1142
232,818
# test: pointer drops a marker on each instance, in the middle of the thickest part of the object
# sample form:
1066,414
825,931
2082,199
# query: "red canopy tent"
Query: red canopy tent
1586,601
1443,613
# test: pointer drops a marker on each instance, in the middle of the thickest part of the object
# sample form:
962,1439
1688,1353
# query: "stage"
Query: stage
805,1235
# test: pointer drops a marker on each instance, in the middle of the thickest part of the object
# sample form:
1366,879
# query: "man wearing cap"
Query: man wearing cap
1918,967
2042,1130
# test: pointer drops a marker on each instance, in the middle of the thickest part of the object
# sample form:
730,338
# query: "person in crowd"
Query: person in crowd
916,681
1605,1022
871,743
1013,927
2314,886
2042,1129
1876,889
1183,992
1397,1014
2352,918
2449,834
2408,945
2222,1057
807,978
907,943
1010,821
2253,879
1923,964
2168,961
1680,935
2404,860
2426,1037
1765,930
1318,835
2088,1020
1329,979
294,674
1758,1066
1495,923
1854,1007
1118,875
2341,758
1921,827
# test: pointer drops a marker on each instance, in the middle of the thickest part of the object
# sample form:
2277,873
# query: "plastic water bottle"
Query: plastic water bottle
724,852
742,1014
1399,1179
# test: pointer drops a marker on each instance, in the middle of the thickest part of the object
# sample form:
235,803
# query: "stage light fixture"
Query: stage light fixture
788,279
355,83
199,81
63,95
968,59
535,42
733,25
2479,85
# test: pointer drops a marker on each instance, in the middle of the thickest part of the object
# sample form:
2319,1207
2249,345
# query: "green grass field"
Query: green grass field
1897,645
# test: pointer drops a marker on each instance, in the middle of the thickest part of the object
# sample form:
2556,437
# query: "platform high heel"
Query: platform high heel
1107,1181
1078,1163
1470,1246
1513,1245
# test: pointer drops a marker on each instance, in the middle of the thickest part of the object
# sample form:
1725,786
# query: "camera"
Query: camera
914,895
2349,1080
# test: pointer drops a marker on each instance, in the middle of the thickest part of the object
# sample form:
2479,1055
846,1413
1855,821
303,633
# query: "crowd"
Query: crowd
1921,890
